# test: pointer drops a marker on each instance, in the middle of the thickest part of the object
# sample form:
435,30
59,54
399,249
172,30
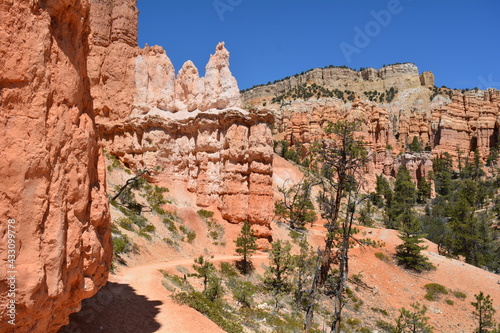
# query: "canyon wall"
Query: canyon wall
443,120
51,166
192,127
399,76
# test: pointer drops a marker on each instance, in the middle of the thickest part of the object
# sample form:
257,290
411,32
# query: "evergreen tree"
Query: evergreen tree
280,267
416,146
296,208
413,321
246,245
384,189
408,253
405,196
203,269
342,157
484,312
424,190
443,174
304,263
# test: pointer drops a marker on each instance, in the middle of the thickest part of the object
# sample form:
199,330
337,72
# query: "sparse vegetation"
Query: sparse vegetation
434,291
459,294
214,229
381,256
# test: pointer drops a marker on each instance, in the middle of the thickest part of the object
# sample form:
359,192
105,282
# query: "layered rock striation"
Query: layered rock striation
51,170
399,76
192,127
224,156
443,120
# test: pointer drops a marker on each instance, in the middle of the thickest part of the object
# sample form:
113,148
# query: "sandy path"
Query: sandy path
172,317
134,300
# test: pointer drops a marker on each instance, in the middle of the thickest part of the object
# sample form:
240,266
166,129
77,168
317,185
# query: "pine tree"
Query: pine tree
424,190
408,253
246,245
484,312
203,269
280,267
413,321
296,208
404,198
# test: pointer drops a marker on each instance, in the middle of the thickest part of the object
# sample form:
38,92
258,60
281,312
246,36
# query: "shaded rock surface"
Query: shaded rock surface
51,168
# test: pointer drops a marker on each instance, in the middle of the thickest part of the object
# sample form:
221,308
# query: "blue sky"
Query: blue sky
459,41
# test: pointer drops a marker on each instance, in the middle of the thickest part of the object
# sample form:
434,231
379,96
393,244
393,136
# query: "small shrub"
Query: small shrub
121,244
381,256
213,310
459,294
243,292
154,197
136,218
434,290
357,278
115,230
205,214
149,228
144,234
382,311
228,270
170,242
177,281
191,235
125,223
357,304
385,326
449,302
353,322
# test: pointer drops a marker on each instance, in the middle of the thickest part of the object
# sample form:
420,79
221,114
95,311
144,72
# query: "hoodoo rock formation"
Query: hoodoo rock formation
192,127
51,170
443,120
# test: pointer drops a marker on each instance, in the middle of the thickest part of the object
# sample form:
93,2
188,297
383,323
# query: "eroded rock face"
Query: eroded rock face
51,168
224,157
454,122
190,126
399,76
471,121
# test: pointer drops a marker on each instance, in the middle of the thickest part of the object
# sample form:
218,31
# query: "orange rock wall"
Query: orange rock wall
468,121
51,168
192,127
224,157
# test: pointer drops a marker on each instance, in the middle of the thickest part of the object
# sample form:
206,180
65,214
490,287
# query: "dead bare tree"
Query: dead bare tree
340,161
130,182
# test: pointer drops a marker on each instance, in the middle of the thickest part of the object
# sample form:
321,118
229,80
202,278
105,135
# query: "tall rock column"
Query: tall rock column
51,167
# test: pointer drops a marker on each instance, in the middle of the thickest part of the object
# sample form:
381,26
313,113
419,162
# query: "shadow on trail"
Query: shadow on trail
115,308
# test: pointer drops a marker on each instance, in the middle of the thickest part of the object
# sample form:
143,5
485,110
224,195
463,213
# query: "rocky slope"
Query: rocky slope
443,120
51,167
399,76
191,127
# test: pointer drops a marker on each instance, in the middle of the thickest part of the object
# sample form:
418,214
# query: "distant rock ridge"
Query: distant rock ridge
399,76
191,126
443,120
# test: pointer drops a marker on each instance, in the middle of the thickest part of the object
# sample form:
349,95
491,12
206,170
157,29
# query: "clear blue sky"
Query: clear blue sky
459,41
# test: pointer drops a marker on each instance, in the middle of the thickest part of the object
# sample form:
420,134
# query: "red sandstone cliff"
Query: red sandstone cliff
451,121
51,167
192,127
